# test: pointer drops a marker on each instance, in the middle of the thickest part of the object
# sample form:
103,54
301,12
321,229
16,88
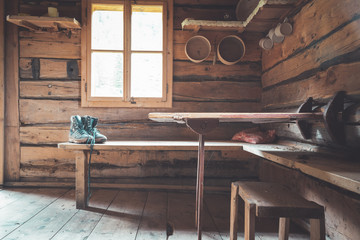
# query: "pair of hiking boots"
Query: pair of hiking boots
83,130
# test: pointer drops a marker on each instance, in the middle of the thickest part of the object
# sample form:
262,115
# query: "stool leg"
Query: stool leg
284,225
234,211
249,230
317,229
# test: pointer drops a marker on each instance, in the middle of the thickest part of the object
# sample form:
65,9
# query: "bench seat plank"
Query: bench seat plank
153,145
337,169
271,201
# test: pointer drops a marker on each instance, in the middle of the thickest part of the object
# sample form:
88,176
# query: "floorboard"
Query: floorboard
181,216
219,207
9,196
122,218
81,225
50,213
48,221
153,221
25,207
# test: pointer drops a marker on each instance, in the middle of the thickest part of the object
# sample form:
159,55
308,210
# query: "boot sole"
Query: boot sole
100,140
78,141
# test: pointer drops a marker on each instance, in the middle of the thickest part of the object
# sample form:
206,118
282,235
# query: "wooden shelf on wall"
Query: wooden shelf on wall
208,25
36,23
246,11
196,25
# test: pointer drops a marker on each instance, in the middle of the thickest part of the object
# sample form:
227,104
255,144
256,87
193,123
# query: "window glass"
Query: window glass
146,74
146,28
106,74
107,27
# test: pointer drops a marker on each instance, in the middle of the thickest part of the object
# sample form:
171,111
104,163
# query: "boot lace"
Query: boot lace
92,142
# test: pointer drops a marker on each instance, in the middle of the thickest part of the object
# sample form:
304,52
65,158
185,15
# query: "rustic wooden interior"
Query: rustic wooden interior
40,84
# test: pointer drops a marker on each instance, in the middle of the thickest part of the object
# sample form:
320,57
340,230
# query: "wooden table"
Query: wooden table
202,123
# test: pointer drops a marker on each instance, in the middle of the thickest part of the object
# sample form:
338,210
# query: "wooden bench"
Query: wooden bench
273,200
337,168
82,150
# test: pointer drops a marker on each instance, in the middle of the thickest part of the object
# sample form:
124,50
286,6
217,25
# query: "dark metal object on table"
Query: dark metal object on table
333,118
303,125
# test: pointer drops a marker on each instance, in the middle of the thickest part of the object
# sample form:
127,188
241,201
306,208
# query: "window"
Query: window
126,53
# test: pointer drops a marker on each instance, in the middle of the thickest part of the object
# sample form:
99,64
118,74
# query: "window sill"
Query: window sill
125,104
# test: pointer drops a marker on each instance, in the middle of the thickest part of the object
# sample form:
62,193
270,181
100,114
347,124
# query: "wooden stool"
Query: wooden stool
273,200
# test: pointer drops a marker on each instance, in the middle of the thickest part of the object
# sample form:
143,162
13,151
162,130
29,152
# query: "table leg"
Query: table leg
197,188
200,184
197,180
81,179
201,127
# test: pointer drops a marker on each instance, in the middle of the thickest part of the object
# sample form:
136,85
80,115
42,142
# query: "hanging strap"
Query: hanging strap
92,142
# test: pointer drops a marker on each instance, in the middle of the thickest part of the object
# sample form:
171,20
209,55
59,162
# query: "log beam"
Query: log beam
12,135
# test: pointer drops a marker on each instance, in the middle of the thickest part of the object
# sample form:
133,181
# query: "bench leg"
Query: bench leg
81,180
317,229
234,211
284,225
249,230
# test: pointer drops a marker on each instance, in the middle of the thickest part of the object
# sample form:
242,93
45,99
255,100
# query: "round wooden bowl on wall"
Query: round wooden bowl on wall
197,48
230,50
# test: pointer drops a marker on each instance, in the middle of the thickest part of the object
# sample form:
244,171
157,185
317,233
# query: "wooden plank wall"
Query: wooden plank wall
321,57
50,93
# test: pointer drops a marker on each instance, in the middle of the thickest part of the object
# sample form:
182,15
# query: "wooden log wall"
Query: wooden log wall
320,57
49,93
342,209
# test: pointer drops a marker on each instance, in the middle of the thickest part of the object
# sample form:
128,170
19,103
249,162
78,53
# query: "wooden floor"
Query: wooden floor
39,213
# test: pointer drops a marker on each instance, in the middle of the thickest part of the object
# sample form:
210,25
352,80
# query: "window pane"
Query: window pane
107,27
106,74
146,75
147,27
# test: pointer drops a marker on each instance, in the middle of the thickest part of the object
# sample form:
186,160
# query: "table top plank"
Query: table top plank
180,117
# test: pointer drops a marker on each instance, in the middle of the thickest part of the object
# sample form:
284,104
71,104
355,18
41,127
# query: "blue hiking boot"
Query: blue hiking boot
90,127
77,132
